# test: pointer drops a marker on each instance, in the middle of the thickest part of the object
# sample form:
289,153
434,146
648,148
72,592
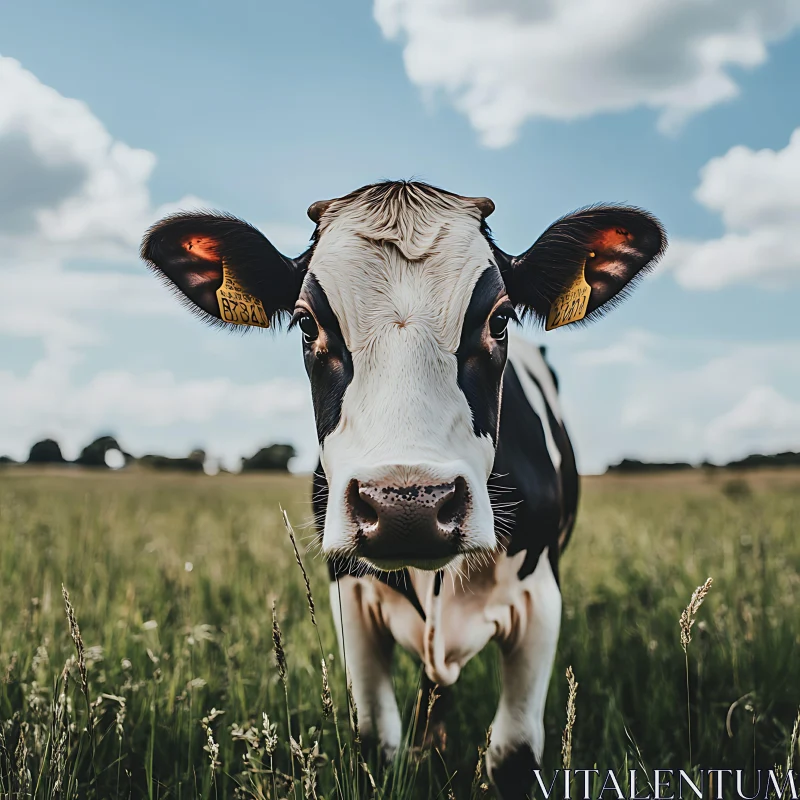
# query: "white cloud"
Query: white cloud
74,203
71,193
76,191
507,61
757,194
763,420
679,399
144,410
630,350
290,238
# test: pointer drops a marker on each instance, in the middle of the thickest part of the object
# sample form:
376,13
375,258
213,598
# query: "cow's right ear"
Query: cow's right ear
228,270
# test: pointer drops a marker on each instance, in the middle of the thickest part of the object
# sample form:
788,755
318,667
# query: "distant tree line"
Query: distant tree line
274,458
632,465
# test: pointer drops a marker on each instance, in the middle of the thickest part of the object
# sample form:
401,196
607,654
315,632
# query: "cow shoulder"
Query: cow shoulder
534,482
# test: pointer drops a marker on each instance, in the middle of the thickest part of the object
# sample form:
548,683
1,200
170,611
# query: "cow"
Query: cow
447,486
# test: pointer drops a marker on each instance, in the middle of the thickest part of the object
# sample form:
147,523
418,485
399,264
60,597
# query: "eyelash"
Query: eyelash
506,312
298,319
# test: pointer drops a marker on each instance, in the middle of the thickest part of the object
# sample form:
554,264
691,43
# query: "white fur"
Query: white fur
523,616
399,277
367,652
527,662
526,357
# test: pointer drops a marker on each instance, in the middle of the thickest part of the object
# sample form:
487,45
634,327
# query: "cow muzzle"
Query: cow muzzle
413,525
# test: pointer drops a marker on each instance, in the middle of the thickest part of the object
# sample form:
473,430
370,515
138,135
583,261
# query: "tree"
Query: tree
274,458
46,452
164,462
94,454
634,465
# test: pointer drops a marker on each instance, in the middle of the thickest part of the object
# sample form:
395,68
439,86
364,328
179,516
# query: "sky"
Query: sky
112,115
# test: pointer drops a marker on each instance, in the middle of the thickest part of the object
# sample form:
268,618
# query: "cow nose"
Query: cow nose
408,525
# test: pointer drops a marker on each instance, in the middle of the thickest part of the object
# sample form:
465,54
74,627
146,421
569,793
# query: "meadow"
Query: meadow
159,677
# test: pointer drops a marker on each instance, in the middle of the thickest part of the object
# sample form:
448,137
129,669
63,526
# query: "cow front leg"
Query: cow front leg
366,647
527,662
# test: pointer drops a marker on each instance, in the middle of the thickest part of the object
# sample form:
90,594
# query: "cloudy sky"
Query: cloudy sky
113,114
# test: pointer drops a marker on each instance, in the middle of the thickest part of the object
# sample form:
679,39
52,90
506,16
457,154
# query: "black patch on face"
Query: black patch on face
329,368
481,359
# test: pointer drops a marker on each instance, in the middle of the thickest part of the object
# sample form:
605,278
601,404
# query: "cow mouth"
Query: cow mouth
461,561
410,562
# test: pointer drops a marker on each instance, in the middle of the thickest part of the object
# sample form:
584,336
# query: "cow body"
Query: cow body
511,597
447,484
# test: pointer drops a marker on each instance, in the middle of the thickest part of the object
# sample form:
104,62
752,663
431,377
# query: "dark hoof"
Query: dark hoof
513,776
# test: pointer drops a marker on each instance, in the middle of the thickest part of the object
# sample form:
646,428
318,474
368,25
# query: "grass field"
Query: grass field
172,579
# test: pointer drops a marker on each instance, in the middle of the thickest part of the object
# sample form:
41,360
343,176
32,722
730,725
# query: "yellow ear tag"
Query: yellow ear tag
571,304
237,306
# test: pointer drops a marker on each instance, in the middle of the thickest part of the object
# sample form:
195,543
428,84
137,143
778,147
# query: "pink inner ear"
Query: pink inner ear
611,238
202,247
197,278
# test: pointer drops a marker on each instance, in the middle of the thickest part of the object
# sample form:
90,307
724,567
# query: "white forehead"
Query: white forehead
400,257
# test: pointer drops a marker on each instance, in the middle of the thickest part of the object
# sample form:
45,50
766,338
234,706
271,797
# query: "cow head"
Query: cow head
403,302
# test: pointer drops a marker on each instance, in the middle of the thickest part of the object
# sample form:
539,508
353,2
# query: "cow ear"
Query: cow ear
609,247
228,270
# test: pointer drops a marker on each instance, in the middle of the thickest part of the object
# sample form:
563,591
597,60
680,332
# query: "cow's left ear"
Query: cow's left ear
230,273
607,246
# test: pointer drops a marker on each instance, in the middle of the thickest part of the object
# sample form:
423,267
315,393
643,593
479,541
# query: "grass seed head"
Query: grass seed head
309,595
277,641
372,785
212,748
75,633
270,736
478,785
327,699
687,616
566,737
309,770
21,763
354,715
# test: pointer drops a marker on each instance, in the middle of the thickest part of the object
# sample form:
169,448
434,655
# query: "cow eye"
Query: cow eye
309,328
498,324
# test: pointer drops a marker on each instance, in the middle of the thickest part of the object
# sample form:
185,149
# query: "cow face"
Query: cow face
403,302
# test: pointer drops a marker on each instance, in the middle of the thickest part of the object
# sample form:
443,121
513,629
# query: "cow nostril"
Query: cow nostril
454,508
362,512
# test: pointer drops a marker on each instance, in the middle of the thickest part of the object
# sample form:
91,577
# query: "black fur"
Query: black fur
544,501
480,366
330,370
513,777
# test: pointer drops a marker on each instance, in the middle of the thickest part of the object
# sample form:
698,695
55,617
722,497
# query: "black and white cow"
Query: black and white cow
445,510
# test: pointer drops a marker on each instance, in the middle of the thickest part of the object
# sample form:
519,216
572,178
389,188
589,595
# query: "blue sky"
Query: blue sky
262,108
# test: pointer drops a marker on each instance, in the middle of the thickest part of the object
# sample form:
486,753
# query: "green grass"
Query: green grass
173,579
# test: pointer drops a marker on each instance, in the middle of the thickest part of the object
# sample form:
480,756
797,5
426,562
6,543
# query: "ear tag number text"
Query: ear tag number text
571,304
237,306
